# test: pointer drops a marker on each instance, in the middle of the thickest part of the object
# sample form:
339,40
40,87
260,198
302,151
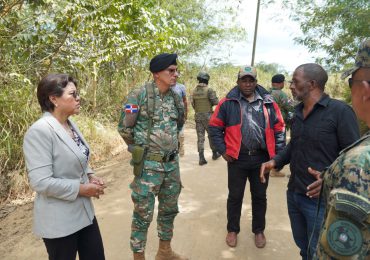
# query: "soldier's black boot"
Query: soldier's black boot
215,155
202,160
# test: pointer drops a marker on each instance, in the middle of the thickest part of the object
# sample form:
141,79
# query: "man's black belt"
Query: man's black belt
160,157
253,152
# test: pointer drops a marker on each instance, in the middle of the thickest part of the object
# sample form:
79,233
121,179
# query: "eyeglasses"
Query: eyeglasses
75,94
351,81
173,71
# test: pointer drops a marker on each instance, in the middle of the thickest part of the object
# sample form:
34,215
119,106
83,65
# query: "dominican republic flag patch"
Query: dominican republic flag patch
131,108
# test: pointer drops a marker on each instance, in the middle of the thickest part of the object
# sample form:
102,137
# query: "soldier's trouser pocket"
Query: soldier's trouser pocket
138,158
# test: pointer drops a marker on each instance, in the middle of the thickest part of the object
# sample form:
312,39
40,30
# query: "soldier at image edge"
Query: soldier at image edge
345,232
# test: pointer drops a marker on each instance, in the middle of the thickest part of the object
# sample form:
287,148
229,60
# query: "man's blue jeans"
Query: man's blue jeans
305,226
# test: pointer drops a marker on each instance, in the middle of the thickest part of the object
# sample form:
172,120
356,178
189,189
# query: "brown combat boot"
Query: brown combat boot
165,252
139,256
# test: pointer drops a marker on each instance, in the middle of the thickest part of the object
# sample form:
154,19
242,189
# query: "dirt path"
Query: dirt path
200,228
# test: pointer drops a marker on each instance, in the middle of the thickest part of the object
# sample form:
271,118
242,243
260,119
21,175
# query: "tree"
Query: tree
333,26
106,45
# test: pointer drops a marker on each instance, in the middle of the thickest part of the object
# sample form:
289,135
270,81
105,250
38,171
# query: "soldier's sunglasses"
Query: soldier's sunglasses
173,71
351,81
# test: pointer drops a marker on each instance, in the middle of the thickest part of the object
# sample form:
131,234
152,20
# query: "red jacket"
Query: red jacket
225,124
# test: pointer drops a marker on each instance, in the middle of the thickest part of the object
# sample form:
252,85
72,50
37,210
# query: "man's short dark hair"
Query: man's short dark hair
52,85
313,71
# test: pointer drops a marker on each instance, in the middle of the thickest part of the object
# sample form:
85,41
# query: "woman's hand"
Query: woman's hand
96,180
91,190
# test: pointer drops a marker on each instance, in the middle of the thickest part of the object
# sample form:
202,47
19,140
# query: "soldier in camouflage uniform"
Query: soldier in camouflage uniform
203,99
345,233
286,106
150,122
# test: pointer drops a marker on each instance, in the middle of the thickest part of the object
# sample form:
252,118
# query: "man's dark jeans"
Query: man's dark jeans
246,167
302,213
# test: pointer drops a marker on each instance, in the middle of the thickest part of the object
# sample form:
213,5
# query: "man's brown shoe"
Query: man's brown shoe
260,240
231,239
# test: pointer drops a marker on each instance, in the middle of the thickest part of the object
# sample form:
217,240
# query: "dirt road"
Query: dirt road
200,228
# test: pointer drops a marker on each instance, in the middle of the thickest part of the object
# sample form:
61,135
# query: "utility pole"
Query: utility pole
255,32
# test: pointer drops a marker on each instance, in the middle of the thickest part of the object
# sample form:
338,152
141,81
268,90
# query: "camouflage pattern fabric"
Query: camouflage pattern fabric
362,58
285,104
349,172
201,126
202,118
160,179
165,184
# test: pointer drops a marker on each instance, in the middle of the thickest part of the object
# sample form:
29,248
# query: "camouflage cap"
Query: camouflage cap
247,71
203,75
362,59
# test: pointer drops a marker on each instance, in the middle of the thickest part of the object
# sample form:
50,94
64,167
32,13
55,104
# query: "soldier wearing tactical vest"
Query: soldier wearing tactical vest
345,233
203,99
150,122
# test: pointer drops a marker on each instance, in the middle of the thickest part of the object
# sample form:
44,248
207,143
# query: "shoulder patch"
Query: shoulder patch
131,108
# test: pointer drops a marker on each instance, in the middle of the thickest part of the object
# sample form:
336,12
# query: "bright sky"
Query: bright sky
274,39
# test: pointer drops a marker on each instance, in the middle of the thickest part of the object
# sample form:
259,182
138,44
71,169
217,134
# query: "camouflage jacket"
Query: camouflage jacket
134,121
285,104
350,172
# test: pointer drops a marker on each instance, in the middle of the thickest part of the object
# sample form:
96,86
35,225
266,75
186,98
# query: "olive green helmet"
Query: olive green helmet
203,75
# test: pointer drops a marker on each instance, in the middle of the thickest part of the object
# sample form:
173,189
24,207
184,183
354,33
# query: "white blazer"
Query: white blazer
56,167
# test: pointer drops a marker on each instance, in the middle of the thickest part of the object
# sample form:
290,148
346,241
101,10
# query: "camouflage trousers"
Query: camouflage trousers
201,126
157,179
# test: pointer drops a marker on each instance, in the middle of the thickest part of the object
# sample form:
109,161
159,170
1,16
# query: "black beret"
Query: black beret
162,61
278,78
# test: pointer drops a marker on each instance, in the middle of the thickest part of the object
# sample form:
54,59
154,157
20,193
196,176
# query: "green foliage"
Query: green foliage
335,27
16,111
105,45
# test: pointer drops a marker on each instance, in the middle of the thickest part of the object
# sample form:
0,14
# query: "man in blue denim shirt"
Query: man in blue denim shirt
321,128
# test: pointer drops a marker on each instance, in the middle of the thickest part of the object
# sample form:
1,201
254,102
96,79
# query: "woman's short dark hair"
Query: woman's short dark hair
52,85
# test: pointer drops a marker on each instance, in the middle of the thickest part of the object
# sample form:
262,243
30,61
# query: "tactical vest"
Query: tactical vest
201,100
151,106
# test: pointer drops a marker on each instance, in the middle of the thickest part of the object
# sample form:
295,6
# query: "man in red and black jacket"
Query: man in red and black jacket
247,128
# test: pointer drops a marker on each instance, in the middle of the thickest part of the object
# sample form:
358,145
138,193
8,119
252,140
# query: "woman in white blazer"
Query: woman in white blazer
57,158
